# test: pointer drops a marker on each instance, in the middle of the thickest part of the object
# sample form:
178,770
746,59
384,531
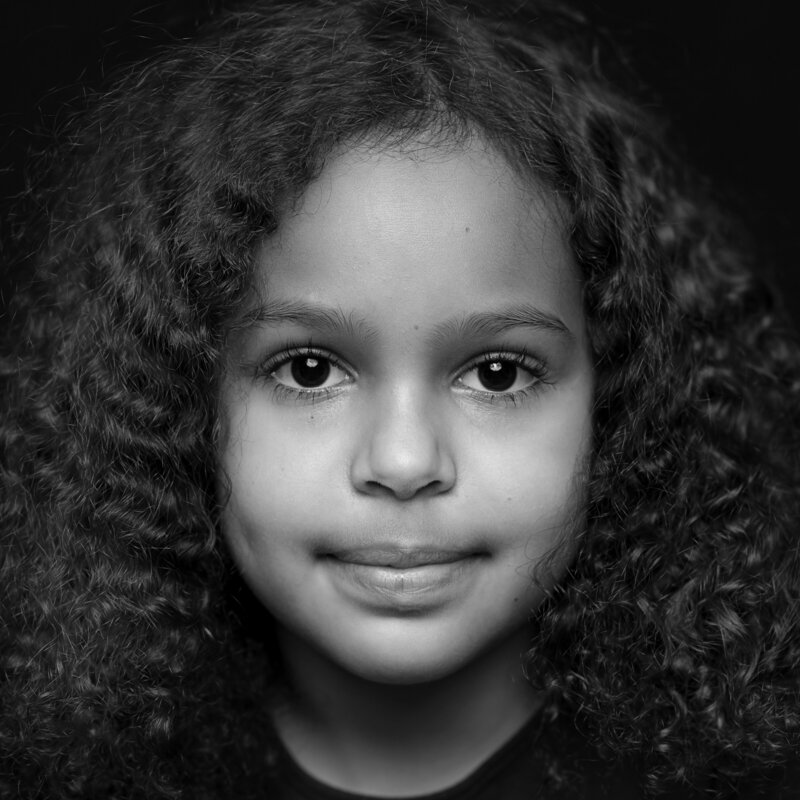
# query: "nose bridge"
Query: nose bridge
404,448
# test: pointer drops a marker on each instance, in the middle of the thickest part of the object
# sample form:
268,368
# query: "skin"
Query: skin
392,514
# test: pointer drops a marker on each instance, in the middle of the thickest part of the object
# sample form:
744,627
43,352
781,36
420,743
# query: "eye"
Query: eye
309,371
501,374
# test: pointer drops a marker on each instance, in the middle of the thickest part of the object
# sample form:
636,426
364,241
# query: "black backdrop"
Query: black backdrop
724,73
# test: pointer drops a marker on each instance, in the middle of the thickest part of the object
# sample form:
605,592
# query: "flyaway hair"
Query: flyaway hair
127,669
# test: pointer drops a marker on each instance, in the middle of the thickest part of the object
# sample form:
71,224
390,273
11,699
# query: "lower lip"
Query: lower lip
410,589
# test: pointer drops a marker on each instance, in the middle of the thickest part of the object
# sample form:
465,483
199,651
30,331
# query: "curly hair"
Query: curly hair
674,637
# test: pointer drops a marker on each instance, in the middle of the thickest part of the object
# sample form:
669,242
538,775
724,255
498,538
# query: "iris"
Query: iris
310,371
497,376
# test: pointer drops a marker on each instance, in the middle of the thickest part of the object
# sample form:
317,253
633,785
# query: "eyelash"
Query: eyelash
281,391
534,365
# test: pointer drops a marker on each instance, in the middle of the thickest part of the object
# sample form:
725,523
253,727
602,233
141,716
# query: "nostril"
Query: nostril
399,456
408,491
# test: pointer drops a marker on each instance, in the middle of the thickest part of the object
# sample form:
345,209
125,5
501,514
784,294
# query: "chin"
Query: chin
401,655
379,668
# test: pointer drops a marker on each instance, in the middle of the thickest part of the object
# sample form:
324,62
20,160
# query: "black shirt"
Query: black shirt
529,765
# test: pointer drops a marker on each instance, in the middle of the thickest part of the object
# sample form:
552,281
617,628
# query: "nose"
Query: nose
403,450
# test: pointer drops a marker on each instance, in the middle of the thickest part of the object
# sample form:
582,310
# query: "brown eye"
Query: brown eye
497,376
306,372
310,372
502,375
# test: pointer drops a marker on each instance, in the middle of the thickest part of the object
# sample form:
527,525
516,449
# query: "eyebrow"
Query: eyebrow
493,323
332,319
324,318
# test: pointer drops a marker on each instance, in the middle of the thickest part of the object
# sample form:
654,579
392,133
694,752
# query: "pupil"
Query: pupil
310,372
497,376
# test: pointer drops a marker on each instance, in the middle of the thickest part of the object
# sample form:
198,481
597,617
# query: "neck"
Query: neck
393,740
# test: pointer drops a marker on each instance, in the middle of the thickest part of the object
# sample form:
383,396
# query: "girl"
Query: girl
392,416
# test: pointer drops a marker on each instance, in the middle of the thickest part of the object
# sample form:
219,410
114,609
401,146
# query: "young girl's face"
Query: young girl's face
406,413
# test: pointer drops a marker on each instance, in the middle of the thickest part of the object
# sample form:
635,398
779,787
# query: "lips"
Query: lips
402,580
399,557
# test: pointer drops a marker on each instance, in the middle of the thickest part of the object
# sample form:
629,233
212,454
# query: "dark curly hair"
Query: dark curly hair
127,666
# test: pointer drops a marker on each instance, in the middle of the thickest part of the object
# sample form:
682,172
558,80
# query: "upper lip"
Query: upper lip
399,557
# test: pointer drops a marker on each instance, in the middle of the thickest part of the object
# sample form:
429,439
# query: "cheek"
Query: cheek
278,480
259,525
248,470
539,470
270,461
532,487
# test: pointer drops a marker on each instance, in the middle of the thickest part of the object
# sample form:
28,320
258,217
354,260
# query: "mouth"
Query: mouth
403,580
400,557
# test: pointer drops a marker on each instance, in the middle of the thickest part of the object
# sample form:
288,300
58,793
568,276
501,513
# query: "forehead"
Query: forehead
416,224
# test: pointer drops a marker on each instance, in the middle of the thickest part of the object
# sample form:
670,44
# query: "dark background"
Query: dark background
723,73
